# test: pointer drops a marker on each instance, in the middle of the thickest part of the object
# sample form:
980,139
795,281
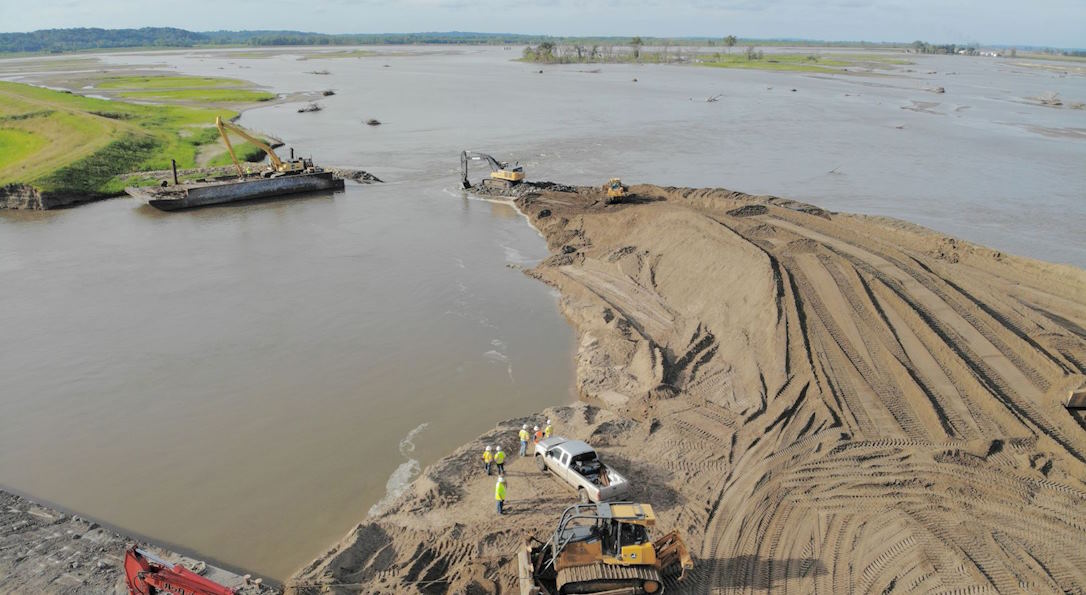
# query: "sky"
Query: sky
1057,23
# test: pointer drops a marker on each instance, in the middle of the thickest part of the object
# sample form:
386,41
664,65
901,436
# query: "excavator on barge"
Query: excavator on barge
603,548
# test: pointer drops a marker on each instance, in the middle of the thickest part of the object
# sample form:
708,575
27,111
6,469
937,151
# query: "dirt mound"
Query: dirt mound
749,211
818,402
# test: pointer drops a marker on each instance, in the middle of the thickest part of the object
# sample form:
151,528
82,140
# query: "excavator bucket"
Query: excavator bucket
672,552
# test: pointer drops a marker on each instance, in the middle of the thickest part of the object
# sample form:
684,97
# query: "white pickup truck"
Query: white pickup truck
576,464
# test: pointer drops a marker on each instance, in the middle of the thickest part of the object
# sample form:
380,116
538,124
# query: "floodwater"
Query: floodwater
248,382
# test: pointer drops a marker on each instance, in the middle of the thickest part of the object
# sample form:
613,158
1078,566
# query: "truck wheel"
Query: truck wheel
539,462
582,495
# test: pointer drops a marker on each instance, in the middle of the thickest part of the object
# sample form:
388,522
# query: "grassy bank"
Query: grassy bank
66,143
181,89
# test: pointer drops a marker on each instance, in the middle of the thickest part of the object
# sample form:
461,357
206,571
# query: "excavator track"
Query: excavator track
604,578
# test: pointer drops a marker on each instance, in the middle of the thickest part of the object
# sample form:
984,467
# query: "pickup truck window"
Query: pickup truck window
565,458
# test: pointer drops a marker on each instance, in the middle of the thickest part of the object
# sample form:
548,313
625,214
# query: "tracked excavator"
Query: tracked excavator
603,548
278,166
502,176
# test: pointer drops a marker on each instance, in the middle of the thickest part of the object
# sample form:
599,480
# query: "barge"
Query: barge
199,194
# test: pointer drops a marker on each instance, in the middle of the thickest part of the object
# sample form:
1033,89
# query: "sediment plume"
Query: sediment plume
816,401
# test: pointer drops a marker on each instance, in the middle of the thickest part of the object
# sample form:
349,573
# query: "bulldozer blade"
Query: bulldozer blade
670,550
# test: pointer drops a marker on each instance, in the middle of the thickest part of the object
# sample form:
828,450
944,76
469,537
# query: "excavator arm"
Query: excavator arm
224,126
147,574
466,156
498,169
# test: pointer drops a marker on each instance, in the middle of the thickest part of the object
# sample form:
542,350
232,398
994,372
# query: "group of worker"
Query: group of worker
536,433
495,457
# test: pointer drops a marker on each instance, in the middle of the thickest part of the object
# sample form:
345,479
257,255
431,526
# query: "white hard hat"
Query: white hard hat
488,448
536,428
499,448
524,427
501,479
548,422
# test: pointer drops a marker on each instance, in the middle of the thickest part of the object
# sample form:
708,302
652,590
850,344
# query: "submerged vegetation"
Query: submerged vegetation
61,142
751,57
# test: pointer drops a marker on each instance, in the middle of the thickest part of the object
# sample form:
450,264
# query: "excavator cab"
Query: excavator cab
602,548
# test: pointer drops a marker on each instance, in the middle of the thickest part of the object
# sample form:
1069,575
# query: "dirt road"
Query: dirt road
818,401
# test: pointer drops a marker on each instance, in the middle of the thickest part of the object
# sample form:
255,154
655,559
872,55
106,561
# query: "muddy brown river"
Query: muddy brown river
250,381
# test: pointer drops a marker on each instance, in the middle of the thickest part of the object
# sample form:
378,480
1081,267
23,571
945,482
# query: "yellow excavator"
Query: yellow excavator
502,175
603,548
278,166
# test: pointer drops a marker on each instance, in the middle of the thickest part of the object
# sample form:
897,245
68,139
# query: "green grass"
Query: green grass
168,82
16,144
69,143
201,95
246,152
789,62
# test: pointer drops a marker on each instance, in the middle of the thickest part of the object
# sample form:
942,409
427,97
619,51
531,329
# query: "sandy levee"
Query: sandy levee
817,401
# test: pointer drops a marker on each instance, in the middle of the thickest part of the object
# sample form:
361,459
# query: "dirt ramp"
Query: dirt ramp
817,401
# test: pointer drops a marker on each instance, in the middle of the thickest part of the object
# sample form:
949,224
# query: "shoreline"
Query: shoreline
886,353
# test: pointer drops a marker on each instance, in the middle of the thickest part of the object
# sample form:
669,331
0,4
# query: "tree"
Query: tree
636,44
730,41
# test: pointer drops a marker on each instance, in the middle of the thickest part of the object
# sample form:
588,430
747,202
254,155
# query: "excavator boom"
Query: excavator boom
147,574
223,126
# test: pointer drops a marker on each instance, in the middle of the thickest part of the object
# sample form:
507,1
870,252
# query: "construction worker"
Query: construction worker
487,458
524,439
499,493
499,460
547,431
538,434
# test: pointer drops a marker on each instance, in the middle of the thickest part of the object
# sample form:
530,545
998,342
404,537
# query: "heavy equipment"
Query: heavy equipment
615,190
147,574
602,548
278,166
502,176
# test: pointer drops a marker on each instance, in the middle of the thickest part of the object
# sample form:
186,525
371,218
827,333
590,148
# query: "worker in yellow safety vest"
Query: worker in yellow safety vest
499,493
499,460
524,436
547,431
487,458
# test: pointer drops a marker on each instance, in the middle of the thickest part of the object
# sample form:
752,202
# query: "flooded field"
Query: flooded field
250,381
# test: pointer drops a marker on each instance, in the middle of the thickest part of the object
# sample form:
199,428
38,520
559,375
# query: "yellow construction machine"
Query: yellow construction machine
502,176
603,548
615,190
278,166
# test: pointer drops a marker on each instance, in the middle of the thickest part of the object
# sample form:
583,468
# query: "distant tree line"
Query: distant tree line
923,47
560,48
70,40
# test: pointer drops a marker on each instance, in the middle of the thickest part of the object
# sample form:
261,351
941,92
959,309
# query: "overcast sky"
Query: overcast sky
1059,23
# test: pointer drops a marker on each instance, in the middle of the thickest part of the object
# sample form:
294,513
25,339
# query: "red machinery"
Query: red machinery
147,574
